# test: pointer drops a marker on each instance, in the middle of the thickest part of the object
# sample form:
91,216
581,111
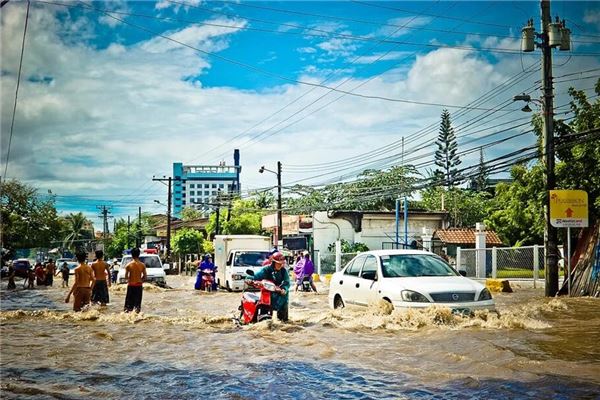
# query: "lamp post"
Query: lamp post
279,215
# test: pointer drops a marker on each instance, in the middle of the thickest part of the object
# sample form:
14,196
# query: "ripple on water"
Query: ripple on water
276,379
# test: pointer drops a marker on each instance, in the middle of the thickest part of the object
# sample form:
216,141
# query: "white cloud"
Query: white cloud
114,117
338,47
401,26
392,55
592,17
306,50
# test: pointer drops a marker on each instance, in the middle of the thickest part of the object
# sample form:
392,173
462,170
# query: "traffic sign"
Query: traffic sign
568,208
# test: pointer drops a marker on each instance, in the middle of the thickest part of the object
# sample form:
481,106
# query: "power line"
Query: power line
12,122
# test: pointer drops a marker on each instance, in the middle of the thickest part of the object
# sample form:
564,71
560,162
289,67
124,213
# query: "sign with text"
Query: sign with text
568,208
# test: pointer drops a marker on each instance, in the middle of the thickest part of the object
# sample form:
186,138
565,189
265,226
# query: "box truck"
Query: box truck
234,254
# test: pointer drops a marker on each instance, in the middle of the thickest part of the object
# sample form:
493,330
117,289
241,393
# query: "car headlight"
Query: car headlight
484,295
237,277
416,297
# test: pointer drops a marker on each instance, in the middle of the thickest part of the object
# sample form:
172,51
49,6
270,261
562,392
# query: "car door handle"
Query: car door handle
358,284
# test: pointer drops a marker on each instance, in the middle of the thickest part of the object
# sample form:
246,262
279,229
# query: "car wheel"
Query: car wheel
338,302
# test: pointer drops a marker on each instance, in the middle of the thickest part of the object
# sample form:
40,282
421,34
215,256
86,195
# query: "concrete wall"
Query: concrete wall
376,229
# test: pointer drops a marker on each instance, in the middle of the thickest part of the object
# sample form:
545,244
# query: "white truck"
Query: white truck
234,254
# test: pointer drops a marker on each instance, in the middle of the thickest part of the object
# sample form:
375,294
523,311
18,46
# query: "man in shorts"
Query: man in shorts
82,287
102,272
135,274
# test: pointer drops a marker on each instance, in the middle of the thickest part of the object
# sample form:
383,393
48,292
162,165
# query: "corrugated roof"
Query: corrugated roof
466,236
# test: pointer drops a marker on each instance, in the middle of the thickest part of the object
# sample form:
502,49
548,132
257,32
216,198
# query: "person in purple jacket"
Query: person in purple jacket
308,270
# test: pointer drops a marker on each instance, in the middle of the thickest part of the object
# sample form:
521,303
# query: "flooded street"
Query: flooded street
185,345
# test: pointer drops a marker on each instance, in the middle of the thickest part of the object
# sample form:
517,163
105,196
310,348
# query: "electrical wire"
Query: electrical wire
12,122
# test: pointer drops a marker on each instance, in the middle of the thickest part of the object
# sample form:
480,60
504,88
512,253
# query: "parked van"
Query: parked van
154,268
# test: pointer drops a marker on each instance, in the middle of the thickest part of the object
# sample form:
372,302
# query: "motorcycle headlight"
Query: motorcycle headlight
416,297
485,295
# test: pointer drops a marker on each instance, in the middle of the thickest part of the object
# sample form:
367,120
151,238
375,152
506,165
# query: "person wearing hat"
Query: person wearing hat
278,274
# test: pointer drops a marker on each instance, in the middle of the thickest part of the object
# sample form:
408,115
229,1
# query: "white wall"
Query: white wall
376,229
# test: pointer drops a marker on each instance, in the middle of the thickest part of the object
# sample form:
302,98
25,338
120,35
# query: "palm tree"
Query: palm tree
77,228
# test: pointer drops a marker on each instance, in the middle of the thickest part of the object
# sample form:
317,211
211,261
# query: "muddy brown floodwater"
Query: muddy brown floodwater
184,345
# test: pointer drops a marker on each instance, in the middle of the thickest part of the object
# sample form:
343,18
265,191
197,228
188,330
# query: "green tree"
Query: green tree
465,207
190,213
28,219
517,210
245,217
373,190
446,156
348,247
481,180
187,241
77,229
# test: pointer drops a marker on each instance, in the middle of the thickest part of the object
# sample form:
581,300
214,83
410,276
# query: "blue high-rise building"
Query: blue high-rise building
198,185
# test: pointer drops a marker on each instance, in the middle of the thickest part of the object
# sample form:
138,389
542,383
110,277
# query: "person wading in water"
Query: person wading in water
102,272
82,287
135,274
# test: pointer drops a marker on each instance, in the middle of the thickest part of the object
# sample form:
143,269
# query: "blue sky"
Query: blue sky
105,104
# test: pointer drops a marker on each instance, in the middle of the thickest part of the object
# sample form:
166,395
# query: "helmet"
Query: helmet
278,258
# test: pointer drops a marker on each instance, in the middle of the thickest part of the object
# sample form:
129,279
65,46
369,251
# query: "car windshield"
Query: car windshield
410,265
149,261
250,258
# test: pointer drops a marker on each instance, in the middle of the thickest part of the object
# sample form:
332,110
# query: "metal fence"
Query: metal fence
526,262
327,261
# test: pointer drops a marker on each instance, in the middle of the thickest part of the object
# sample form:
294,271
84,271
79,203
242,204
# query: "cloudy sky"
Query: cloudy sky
112,93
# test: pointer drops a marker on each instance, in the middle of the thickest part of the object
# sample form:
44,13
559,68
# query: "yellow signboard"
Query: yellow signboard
568,208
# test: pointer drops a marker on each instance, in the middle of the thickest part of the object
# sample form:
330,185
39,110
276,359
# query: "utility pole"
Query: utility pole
554,35
104,211
218,227
128,227
138,241
279,211
551,270
169,201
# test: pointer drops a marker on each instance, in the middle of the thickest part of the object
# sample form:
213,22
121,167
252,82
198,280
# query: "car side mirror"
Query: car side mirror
462,272
249,272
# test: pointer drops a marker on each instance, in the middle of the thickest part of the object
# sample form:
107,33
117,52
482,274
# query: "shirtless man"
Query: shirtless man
84,281
135,273
102,271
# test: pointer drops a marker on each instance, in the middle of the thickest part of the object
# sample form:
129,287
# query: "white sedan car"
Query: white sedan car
407,279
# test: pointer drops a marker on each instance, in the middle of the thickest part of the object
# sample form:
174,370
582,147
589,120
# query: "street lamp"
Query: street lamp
279,215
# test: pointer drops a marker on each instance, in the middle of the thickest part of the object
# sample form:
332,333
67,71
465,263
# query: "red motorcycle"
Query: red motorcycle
256,307
207,279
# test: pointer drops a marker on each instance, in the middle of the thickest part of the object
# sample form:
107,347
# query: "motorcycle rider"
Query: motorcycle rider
278,275
206,264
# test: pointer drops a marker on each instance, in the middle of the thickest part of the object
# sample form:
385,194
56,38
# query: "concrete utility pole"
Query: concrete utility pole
279,210
128,226
169,201
551,270
554,35
104,211
218,227
138,241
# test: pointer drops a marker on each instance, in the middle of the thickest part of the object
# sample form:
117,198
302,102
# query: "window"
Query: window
192,186
354,267
369,270
221,186
192,193
398,266
207,193
214,192
206,186
214,185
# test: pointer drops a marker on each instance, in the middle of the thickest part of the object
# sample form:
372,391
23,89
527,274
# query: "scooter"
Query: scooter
305,284
257,307
207,279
